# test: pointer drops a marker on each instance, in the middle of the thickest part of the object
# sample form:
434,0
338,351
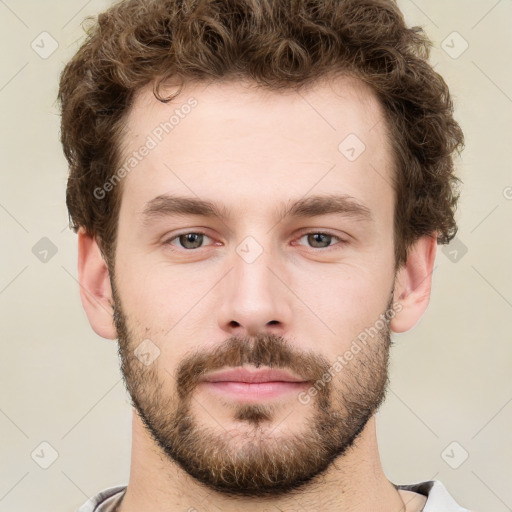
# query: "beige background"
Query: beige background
60,383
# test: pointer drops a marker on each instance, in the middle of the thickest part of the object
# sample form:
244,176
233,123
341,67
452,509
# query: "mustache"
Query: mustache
266,350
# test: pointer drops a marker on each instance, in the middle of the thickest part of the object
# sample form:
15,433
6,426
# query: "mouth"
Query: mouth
253,385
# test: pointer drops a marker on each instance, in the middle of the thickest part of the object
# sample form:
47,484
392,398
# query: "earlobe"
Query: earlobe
95,289
413,284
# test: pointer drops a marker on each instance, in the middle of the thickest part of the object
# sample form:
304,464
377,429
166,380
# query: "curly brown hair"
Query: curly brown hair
277,44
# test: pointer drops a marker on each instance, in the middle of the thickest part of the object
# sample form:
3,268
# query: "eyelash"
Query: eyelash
341,241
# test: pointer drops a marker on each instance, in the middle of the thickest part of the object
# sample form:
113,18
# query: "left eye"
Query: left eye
320,240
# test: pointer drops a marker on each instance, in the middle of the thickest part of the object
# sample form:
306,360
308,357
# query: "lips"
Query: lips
252,385
252,376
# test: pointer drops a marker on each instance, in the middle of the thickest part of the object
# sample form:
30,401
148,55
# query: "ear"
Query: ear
95,289
413,283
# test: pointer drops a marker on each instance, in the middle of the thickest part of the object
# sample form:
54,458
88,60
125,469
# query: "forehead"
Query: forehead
233,138
331,107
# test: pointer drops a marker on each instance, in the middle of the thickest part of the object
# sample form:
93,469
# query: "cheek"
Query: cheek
350,302
141,301
163,304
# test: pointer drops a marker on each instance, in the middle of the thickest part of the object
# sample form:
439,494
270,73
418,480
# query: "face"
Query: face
251,241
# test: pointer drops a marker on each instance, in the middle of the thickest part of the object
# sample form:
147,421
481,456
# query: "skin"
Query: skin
252,150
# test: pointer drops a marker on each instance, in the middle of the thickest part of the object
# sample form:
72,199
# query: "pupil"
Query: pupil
192,238
317,238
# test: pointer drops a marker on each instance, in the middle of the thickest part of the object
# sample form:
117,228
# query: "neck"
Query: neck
354,483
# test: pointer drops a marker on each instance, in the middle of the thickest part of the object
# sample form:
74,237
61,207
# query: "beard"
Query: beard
257,461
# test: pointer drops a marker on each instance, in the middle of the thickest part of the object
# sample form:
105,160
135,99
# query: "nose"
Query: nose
254,300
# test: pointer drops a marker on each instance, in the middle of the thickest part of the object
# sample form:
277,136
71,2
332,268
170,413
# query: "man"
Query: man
259,187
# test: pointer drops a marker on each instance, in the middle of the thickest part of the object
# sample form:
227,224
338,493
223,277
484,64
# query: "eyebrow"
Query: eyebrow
312,206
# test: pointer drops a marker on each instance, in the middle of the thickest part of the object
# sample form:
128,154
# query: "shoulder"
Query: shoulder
434,495
104,501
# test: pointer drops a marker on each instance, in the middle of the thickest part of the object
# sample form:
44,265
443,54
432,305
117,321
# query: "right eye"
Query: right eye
188,241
